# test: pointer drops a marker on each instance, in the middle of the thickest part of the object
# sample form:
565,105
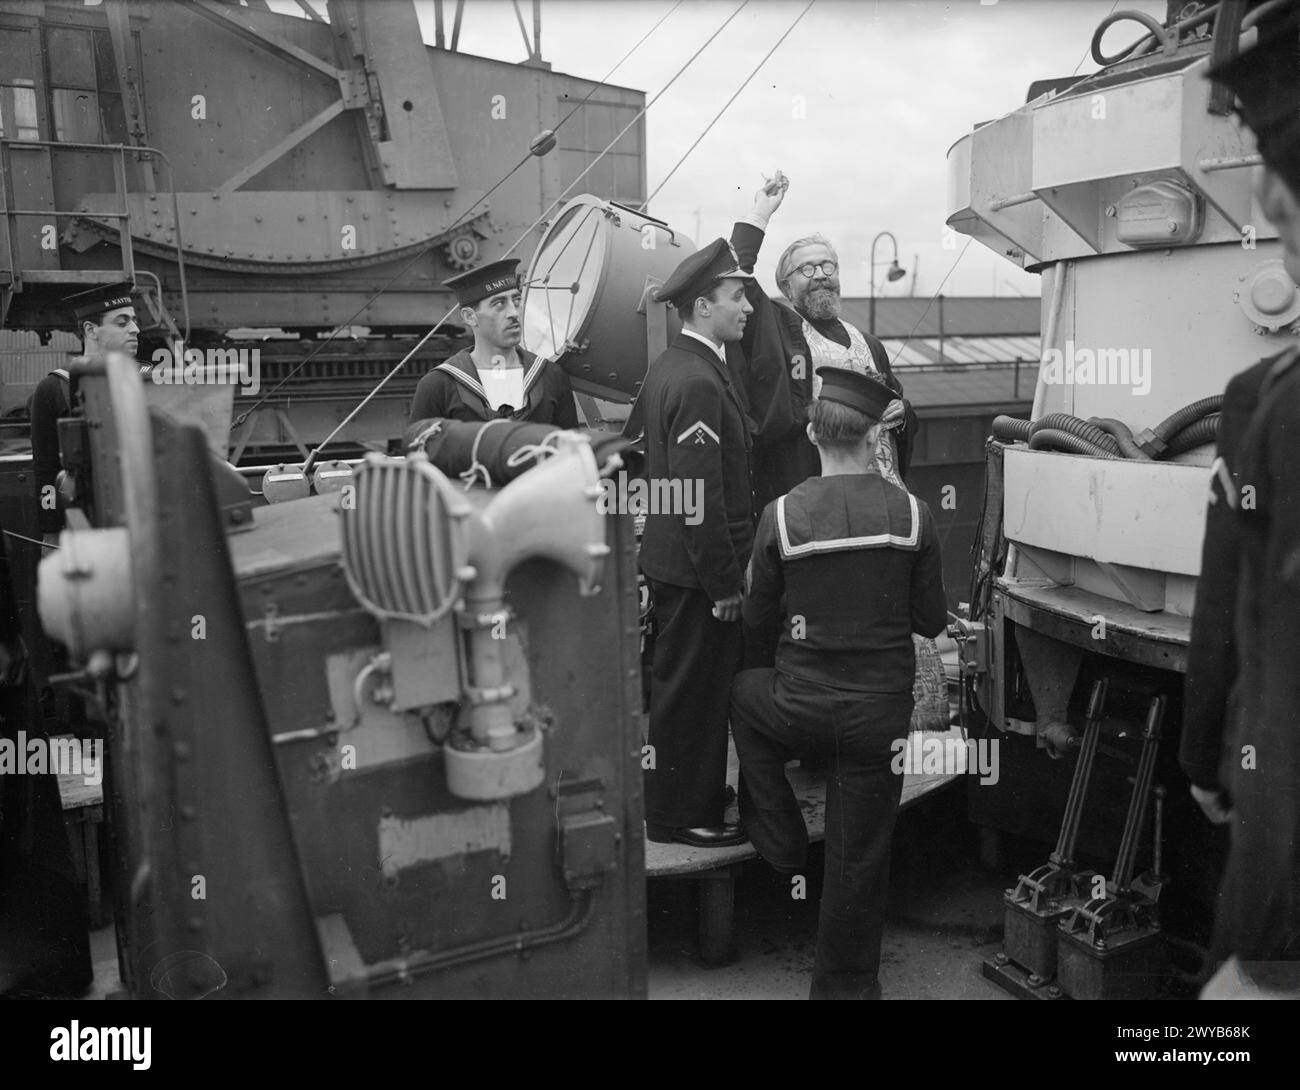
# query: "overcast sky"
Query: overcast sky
887,86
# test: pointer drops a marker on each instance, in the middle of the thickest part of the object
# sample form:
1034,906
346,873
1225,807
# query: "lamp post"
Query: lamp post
896,272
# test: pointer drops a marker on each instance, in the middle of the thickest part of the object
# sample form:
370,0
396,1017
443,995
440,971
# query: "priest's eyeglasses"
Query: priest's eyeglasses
828,268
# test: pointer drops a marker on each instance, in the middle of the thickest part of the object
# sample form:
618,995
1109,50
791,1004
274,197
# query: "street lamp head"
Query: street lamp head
896,272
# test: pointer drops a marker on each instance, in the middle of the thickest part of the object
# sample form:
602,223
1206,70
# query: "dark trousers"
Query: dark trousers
44,931
695,658
775,718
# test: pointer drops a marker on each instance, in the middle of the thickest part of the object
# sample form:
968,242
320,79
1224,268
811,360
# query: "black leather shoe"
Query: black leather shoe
708,836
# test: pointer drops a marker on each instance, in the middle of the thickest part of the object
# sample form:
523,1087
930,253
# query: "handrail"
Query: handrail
124,236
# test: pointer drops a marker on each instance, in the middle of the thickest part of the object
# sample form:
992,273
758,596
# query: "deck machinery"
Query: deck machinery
380,741
383,740
1130,191
277,177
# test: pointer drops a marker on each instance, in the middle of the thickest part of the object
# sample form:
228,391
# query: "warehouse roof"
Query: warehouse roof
920,351
980,384
955,315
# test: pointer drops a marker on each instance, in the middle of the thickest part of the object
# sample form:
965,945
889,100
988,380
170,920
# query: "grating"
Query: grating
405,539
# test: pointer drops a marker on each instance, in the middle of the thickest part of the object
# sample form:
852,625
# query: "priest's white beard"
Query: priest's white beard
820,304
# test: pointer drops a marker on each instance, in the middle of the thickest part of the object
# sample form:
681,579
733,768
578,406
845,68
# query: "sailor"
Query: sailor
497,378
1241,730
106,322
696,432
785,343
845,568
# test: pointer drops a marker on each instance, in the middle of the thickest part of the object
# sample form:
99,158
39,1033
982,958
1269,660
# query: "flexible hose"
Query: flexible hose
1056,439
1205,430
1165,37
1158,438
1154,30
1011,428
1122,435
1076,427
1103,437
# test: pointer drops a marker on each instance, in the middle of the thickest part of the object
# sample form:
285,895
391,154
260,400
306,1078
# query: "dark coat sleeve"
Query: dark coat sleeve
9,625
763,363
1211,655
566,410
48,404
764,594
747,240
929,601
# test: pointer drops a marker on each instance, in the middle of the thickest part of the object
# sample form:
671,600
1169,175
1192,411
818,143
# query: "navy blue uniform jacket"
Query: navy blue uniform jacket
856,559
696,429
49,402
1241,719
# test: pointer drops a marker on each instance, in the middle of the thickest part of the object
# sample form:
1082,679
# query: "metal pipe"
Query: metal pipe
940,300
257,471
1049,335
1065,843
1157,849
77,212
455,24
1133,821
872,274
124,244
404,970
1229,162
522,29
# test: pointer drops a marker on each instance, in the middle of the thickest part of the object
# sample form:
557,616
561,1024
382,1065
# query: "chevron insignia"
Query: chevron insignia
698,433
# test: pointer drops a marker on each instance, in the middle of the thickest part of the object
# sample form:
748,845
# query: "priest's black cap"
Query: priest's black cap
487,280
99,300
1266,81
869,396
699,272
